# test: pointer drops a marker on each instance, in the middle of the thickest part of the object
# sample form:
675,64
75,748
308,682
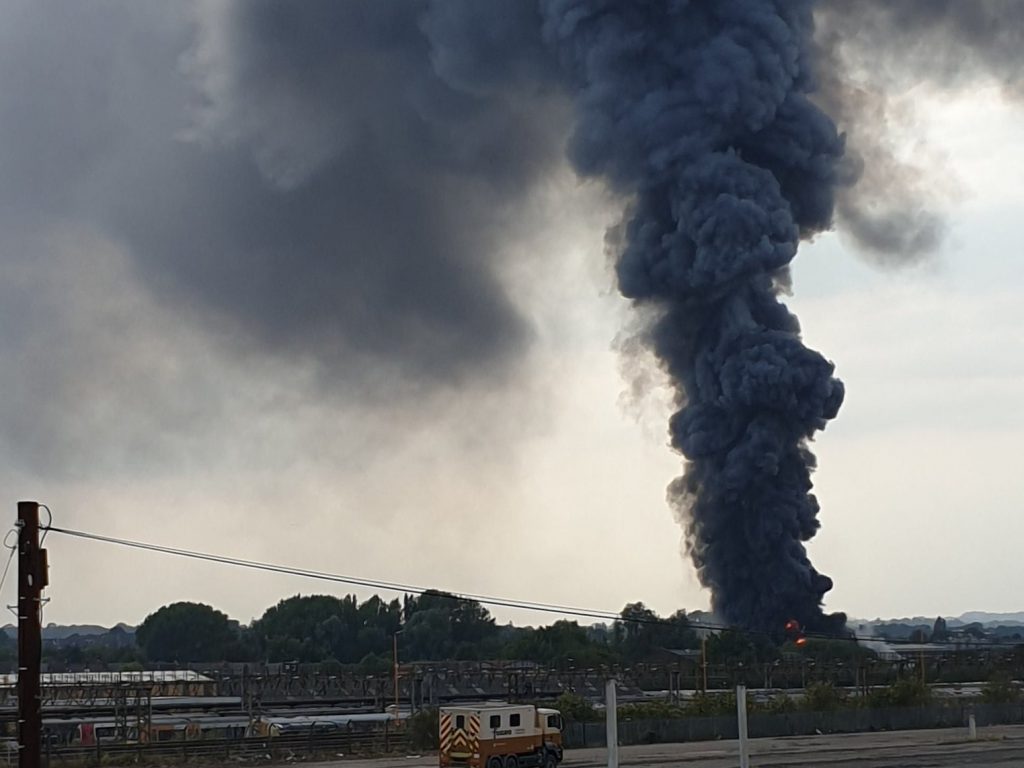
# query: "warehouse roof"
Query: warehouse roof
108,678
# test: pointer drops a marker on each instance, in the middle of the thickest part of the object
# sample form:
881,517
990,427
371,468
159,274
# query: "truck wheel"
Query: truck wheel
511,762
494,762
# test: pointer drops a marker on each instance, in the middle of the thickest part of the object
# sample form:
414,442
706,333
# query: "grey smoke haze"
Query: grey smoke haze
339,197
944,42
871,53
326,184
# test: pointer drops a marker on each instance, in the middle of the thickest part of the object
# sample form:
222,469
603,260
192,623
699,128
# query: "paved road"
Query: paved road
998,747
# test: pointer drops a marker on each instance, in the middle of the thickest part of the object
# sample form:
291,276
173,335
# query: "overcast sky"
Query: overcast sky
181,365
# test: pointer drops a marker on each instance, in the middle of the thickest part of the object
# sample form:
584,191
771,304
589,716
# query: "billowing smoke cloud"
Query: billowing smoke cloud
700,112
874,51
325,185
350,199
943,42
329,185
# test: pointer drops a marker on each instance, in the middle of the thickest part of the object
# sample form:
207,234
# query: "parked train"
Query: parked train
88,731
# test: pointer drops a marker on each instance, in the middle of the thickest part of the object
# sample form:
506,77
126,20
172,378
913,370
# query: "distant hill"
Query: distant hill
986,619
64,631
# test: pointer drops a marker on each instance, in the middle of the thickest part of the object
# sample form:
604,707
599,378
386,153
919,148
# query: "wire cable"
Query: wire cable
7,565
46,528
418,590
334,577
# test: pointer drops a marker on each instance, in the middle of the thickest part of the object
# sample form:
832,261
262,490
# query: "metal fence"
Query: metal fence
794,724
286,747
314,744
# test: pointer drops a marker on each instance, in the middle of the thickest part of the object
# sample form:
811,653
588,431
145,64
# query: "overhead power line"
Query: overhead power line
334,577
392,586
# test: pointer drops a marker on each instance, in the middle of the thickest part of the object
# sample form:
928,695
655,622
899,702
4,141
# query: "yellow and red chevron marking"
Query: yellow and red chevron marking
473,734
445,740
459,741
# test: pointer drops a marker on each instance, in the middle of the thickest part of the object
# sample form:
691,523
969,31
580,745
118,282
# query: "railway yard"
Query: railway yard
183,715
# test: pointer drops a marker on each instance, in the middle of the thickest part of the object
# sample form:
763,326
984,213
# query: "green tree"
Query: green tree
651,710
633,631
427,636
377,622
9,651
375,665
185,632
312,628
440,625
244,646
558,644
779,705
732,646
1001,689
903,693
309,628
576,708
640,632
822,697
422,729
678,632
704,704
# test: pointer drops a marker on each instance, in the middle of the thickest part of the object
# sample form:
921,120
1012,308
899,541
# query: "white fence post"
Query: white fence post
741,722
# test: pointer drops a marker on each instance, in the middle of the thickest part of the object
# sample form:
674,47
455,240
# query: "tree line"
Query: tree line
433,626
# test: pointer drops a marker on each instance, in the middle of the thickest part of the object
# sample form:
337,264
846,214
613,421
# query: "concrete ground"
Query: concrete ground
1000,746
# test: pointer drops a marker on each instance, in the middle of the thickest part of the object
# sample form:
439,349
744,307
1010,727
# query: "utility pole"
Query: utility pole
32,577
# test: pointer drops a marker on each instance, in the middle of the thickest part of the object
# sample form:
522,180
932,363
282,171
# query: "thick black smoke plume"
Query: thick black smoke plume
700,111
